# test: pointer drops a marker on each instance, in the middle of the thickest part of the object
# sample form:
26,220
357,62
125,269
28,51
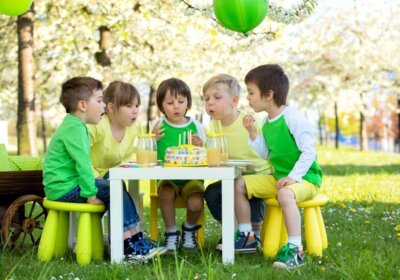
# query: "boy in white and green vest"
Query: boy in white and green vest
289,144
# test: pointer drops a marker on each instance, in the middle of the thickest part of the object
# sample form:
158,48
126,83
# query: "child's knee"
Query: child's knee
240,186
167,192
285,195
194,202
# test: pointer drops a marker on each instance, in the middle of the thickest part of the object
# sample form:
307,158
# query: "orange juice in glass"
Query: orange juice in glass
146,153
213,150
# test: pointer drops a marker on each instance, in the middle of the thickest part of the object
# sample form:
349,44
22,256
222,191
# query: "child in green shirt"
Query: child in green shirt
68,174
174,100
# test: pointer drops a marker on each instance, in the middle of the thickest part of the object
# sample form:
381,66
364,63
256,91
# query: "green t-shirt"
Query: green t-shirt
283,150
67,162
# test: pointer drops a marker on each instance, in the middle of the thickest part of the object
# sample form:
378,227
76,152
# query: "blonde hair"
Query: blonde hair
223,79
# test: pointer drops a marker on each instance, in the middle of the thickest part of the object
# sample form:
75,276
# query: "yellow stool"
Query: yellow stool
179,203
274,233
89,241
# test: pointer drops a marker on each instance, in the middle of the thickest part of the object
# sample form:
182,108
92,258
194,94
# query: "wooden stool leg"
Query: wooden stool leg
84,239
321,226
313,236
200,233
49,235
153,218
97,237
273,233
61,244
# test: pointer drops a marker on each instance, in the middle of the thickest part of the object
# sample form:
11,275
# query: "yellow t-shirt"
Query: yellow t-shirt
237,136
105,152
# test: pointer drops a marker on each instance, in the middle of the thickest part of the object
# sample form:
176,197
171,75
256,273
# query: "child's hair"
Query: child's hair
120,94
223,79
77,89
175,87
270,77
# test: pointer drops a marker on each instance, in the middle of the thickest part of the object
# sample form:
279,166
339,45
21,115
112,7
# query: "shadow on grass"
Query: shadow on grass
348,169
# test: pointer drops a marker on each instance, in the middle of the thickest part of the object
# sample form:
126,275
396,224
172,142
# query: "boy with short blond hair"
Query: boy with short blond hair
221,97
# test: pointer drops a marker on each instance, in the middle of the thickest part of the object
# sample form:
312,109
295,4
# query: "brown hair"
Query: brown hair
175,87
270,77
77,89
120,94
223,79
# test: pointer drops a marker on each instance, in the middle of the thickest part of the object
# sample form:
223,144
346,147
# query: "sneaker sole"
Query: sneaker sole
284,266
246,250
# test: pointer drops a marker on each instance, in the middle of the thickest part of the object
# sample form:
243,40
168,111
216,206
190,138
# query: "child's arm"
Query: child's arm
256,141
302,132
78,147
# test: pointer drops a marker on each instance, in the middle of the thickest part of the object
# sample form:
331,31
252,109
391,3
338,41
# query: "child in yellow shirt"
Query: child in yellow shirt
221,97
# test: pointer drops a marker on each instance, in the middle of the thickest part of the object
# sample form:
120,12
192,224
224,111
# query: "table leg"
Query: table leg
228,221
116,224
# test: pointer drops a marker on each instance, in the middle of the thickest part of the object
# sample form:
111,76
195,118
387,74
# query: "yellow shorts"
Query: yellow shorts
264,186
184,188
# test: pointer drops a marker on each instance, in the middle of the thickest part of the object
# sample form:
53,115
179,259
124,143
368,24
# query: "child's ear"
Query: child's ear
270,94
81,106
235,100
110,107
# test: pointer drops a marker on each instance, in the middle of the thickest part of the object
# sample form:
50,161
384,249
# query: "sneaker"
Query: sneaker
189,237
245,242
139,248
172,241
289,256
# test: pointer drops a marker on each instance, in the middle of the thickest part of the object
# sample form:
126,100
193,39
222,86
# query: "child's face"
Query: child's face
219,103
175,108
126,115
256,101
95,107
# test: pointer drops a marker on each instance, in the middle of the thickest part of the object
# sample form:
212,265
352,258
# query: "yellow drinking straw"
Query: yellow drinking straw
220,127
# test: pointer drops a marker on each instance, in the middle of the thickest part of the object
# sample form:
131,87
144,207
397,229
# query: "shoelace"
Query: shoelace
172,240
285,253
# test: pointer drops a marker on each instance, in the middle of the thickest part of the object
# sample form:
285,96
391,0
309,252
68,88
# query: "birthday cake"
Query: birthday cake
185,155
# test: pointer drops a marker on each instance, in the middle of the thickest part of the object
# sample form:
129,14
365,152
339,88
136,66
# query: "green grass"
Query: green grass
362,221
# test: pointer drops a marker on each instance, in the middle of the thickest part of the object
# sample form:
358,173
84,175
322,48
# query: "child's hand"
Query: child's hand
283,182
94,200
196,140
158,130
248,123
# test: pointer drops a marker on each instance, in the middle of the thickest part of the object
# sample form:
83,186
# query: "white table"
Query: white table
226,174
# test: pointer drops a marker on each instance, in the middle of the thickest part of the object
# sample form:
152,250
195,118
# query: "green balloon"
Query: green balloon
14,7
240,15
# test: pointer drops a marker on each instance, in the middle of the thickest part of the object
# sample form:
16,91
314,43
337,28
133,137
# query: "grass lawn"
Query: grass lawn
362,221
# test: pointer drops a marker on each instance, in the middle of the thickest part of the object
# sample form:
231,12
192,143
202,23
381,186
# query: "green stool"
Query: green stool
89,239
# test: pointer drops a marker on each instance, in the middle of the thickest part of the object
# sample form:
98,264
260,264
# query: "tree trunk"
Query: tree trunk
363,128
43,127
336,127
26,122
320,125
152,110
103,57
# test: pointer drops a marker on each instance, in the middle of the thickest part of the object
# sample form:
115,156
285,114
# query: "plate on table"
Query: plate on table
237,162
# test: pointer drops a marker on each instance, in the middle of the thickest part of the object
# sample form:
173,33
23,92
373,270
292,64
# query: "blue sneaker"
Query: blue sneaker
289,257
246,242
142,248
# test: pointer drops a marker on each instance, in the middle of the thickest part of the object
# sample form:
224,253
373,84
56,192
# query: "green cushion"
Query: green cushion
5,164
17,163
